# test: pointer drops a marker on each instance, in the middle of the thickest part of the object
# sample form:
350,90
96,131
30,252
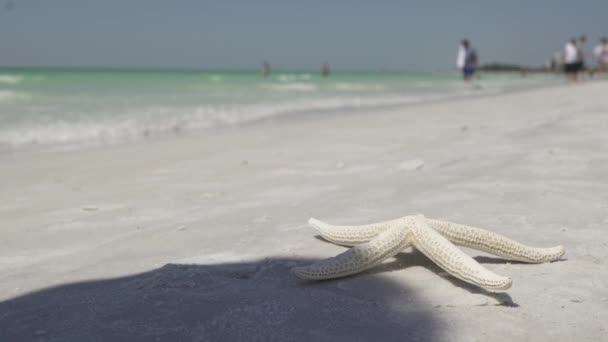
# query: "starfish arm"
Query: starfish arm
454,261
493,243
353,235
358,258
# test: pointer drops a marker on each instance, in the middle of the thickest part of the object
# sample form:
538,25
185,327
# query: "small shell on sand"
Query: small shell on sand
410,165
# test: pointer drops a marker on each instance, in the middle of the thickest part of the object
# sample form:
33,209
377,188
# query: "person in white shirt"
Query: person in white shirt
467,60
601,54
460,56
571,60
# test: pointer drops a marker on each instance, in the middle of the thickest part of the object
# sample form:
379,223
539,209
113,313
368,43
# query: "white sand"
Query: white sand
94,245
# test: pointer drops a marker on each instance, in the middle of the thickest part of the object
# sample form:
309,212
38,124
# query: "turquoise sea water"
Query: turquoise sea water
88,107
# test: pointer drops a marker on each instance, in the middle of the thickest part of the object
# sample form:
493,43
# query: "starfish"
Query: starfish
374,243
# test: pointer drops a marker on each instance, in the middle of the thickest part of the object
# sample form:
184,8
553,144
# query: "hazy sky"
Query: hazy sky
350,35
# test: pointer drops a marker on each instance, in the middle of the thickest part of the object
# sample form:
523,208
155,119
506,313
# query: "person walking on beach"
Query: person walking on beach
581,54
601,54
467,60
571,65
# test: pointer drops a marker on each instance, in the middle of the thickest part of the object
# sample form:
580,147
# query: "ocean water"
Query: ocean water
75,108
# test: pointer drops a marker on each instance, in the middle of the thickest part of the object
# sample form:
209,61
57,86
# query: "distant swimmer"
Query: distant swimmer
325,70
265,69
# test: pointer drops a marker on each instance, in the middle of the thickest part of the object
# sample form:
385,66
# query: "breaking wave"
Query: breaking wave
163,121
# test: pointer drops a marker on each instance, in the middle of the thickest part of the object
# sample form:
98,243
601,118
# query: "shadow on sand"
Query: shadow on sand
413,258
251,301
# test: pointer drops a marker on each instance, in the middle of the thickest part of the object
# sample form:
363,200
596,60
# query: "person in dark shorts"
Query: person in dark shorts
572,63
467,60
572,67
581,53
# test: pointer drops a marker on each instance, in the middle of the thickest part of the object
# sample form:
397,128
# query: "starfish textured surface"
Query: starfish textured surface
373,243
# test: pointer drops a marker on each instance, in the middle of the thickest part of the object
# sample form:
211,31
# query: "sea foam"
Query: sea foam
10,79
80,108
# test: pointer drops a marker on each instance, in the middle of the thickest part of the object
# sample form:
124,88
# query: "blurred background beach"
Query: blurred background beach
74,75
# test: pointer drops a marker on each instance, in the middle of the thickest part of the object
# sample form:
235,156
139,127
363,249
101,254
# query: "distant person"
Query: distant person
581,54
460,56
601,54
265,69
325,70
557,61
467,60
571,60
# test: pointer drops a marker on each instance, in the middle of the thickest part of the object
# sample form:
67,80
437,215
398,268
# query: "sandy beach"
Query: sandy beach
192,238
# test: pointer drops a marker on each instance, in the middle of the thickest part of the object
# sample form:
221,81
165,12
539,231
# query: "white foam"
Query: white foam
359,86
161,120
11,96
10,79
424,84
306,77
294,77
46,121
296,86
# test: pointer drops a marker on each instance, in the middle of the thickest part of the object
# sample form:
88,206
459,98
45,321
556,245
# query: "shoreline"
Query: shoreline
285,118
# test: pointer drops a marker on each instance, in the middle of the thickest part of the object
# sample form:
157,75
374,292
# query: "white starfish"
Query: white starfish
436,239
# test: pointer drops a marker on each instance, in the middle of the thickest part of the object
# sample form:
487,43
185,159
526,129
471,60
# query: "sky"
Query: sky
296,35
